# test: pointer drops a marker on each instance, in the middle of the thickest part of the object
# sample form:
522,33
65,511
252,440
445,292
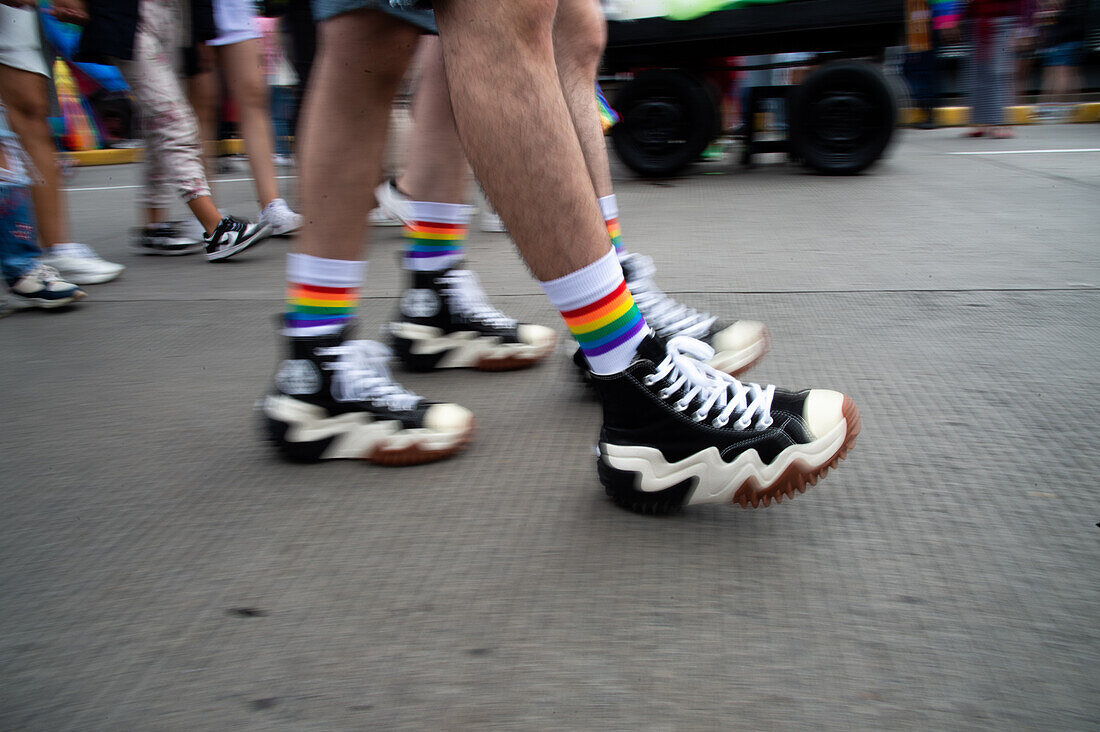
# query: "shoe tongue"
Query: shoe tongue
653,348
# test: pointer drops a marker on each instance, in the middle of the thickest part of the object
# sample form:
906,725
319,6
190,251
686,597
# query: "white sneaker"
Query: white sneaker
42,287
80,265
393,208
279,218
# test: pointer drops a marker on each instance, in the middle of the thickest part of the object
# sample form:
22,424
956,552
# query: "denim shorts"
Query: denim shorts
414,12
1063,54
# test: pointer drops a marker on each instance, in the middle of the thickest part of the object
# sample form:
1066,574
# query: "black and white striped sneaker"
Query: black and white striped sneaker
445,320
678,432
335,398
233,236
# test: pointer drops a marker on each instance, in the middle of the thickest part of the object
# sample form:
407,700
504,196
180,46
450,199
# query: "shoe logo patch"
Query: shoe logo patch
419,303
298,376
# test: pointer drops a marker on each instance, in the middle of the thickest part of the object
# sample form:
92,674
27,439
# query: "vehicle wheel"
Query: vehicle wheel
668,119
842,117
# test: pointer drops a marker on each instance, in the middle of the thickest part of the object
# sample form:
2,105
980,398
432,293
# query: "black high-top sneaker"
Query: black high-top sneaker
678,432
446,321
335,398
737,346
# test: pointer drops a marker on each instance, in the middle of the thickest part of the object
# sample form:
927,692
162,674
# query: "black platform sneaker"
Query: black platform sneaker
335,398
737,346
678,432
446,321
233,236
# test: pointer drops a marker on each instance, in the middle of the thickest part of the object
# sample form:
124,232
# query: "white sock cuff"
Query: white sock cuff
309,270
441,213
609,207
587,284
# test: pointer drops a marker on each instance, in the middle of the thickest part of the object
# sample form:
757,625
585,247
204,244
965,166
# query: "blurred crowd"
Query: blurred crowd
1004,45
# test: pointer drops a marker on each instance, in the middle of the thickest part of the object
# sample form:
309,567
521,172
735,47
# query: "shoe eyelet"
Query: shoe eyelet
681,406
650,380
698,417
665,393
719,422
765,423
743,425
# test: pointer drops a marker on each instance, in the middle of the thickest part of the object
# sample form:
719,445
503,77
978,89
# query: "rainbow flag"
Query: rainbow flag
80,132
608,116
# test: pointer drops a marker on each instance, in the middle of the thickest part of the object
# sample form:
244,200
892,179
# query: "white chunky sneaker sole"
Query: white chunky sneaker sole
306,432
424,348
746,481
21,302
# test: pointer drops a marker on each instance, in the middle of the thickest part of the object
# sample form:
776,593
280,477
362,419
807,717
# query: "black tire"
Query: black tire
842,118
668,118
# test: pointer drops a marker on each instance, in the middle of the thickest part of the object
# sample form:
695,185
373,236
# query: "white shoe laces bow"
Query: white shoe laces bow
470,301
685,369
362,374
664,314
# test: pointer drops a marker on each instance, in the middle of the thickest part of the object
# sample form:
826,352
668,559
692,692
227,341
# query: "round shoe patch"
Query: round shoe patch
298,376
420,303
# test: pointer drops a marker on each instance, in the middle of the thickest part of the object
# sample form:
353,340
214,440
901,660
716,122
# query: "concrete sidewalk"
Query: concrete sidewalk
161,569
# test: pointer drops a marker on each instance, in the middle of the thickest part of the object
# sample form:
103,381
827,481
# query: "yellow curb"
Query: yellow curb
118,156
1018,115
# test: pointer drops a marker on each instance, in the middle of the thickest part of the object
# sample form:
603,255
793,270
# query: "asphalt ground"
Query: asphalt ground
161,569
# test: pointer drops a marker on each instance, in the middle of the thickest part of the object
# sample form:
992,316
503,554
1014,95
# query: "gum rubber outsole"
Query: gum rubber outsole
797,478
416,455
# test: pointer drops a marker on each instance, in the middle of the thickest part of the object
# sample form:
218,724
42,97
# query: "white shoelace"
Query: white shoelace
663,314
468,300
686,370
46,273
362,374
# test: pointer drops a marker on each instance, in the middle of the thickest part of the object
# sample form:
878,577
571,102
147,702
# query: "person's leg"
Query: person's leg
579,37
665,412
204,92
24,94
334,397
445,319
361,60
436,168
31,284
242,65
172,130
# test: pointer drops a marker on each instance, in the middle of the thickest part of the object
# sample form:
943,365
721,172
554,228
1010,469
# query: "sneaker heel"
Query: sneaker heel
402,350
619,486
295,452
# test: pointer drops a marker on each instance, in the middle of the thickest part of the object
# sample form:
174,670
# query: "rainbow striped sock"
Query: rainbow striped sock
600,312
321,294
436,237
609,207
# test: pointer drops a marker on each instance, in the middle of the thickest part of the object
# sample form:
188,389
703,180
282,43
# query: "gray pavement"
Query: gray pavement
161,569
